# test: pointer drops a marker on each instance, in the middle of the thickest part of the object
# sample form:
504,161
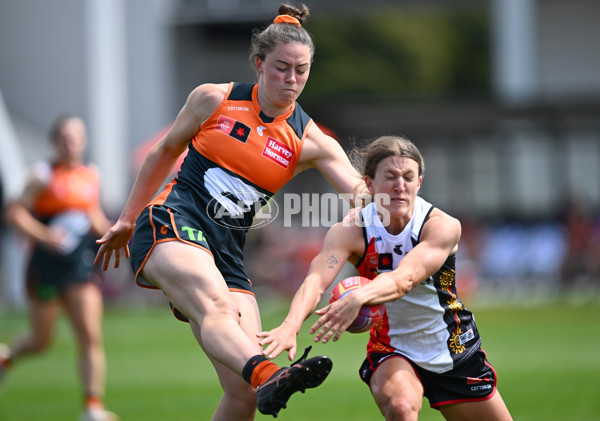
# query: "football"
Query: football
368,316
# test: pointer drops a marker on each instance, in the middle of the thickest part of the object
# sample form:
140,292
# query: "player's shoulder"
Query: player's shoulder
212,93
205,99
441,223
440,216
92,169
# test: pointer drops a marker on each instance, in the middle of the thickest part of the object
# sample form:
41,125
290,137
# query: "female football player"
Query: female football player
427,343
244,142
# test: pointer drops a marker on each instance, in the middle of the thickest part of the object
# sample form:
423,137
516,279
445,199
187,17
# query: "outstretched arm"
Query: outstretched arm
326,155
18,213
439,239
156,167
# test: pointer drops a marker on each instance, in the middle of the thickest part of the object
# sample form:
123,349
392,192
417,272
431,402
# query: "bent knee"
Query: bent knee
215,310
398,409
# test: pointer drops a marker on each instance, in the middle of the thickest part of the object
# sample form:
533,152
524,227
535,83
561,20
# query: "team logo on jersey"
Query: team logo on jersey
372,260
233,128
278,152
386,261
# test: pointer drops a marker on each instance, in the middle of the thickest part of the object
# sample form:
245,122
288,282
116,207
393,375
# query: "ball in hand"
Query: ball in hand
368,316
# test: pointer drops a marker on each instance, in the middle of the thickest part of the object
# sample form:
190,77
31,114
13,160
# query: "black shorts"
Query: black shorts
157,224
473,380
49,275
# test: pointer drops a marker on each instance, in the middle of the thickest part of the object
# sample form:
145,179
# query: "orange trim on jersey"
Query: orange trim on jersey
244,291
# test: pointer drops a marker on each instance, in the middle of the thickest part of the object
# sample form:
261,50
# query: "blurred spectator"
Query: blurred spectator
57,210
520,251
582,259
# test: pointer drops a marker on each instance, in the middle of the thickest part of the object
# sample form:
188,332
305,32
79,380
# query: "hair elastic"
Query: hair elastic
287,19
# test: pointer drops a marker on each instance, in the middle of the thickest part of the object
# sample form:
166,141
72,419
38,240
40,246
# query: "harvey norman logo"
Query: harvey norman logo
278,152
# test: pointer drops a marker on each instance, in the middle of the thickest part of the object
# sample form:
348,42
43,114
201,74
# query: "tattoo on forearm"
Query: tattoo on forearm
332,261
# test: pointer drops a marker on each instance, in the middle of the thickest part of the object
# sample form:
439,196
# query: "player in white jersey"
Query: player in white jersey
427,343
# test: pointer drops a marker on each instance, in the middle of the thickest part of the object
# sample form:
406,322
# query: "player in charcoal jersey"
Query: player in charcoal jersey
59,209
427,343
244,143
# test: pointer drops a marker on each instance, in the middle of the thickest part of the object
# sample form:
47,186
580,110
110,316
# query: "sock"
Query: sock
5,362
258,370
5,356
93,402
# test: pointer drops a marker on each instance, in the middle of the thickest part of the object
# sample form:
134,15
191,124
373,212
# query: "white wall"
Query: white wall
568,49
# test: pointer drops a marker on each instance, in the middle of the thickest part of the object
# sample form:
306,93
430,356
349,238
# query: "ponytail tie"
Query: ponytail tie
287,19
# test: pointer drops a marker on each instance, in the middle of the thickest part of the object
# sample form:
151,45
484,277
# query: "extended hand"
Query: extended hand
278,340
115,239
335,318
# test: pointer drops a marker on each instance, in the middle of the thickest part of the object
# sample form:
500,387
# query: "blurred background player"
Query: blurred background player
59,210
427,343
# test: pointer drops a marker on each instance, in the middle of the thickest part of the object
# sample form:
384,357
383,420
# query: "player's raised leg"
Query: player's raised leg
191,281
239,397
193,284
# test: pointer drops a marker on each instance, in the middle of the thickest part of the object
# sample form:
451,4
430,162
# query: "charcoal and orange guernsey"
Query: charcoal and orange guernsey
236,162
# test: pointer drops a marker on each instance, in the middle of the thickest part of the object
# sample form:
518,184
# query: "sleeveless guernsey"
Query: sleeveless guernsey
429,325
237,161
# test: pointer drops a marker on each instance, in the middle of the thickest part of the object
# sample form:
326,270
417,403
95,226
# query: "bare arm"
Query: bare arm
341,241
99,222
326,155
439,239
157,165
18,213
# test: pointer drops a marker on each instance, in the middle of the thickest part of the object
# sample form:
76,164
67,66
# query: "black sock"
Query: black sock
250,365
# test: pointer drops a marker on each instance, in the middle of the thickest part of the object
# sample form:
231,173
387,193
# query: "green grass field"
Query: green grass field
547,358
